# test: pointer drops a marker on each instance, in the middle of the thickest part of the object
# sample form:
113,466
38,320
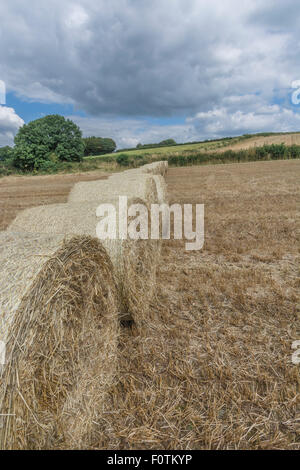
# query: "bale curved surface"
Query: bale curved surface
161,188
58,300
133,175
138,185
156,168
134,261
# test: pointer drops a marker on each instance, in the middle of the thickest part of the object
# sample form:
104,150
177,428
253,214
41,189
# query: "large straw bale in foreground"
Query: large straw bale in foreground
59,322
140,186
134,261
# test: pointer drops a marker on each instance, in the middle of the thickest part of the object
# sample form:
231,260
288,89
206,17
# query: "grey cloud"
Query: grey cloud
138,58
277,15
221,123
134,58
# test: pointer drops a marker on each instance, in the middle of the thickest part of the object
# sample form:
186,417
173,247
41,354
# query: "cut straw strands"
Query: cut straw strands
156,168
59,312
161,188
137,185
159,180
134,261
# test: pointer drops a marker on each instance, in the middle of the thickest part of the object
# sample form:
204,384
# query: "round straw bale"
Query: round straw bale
58,298
161,187
156,168
140,186
134,261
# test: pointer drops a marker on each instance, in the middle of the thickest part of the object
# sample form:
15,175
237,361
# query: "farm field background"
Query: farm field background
231,307
236,143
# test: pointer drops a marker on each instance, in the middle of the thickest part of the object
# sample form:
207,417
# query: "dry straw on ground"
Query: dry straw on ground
213,369
58,302
134,261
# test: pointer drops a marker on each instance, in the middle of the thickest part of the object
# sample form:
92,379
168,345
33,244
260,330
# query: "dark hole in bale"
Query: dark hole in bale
127,323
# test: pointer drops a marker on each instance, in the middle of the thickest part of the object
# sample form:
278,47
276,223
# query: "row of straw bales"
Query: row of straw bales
134,261
144,182
63,293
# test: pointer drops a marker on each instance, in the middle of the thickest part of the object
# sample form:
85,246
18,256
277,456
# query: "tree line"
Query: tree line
43,144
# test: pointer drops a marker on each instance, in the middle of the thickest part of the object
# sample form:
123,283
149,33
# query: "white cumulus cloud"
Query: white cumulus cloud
10,122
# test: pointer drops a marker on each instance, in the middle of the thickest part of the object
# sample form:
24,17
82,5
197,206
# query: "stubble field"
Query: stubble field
212,369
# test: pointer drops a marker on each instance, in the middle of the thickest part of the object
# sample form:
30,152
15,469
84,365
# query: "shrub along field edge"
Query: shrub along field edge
266,152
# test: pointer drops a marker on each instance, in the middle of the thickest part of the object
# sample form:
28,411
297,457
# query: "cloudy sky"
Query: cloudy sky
145,70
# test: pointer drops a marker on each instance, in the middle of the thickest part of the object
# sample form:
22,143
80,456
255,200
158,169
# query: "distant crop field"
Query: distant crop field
236,143
287,139
171,150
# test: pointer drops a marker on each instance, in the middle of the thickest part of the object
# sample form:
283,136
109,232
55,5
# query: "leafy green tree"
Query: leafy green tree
163,143
123,159
98,146
168,142
6,153
47,139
